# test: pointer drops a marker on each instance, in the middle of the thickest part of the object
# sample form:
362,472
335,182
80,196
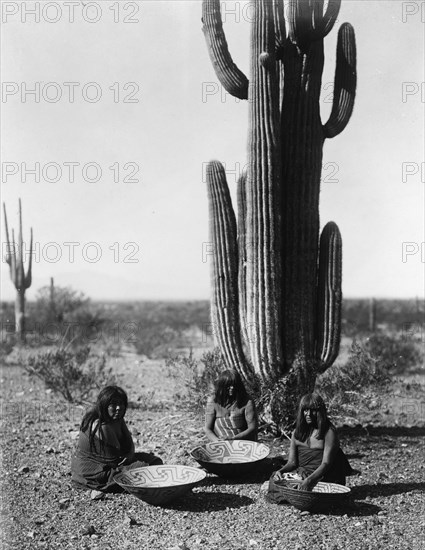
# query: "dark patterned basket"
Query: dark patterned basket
229,459
325,496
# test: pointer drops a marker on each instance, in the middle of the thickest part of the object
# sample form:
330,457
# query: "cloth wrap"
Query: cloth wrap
231,420
95,468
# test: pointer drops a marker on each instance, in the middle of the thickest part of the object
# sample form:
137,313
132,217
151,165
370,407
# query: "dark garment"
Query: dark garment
310,459
95,468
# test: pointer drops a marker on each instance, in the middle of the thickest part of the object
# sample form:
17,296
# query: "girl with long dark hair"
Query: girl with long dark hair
315,453
230,413
105,445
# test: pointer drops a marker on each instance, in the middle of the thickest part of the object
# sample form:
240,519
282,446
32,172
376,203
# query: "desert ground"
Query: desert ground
42,509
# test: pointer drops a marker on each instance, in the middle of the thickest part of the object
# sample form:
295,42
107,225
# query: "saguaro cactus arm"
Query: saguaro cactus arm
329,296
224,271
323,22
344,83
14,255
10,246
307,20
28,276
279,22
233,80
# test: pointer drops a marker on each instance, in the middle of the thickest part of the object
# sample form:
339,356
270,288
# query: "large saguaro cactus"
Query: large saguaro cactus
276,302
21,280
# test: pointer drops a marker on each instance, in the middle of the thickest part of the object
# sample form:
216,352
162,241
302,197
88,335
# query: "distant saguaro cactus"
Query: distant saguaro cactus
276,282
21,280
52,302
372,314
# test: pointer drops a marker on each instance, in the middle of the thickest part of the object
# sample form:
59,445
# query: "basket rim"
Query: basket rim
314,494
204,445
117,477
231,441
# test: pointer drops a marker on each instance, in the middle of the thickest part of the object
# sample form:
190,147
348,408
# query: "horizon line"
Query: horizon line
129,300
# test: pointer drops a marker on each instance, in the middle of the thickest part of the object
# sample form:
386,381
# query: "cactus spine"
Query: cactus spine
276,280
21,280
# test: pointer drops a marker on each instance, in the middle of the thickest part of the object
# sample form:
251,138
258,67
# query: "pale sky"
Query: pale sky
147,103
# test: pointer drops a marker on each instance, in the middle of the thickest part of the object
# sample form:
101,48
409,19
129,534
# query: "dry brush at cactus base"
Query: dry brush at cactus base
276,299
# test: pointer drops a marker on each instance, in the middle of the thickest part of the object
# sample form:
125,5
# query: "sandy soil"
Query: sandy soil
40,508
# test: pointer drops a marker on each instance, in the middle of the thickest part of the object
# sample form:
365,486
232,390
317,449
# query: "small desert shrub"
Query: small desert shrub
155,341
358,383
147,400
396,354
7,344
112,347
69,319
74,374
196,377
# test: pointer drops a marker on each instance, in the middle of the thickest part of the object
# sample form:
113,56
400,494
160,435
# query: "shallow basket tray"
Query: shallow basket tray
230,458
159,485
322,498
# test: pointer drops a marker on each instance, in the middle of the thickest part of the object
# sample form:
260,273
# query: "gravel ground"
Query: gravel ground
41,509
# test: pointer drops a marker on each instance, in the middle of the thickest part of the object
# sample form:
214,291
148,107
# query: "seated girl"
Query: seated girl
231,413
314,454
105,445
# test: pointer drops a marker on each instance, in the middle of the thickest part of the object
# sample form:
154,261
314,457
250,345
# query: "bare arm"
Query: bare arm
329,452
210,421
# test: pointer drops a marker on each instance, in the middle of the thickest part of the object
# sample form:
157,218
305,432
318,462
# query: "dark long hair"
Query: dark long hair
100,414
226,379
302,429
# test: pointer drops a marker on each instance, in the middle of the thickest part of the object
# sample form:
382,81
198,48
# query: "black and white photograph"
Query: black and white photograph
212,274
